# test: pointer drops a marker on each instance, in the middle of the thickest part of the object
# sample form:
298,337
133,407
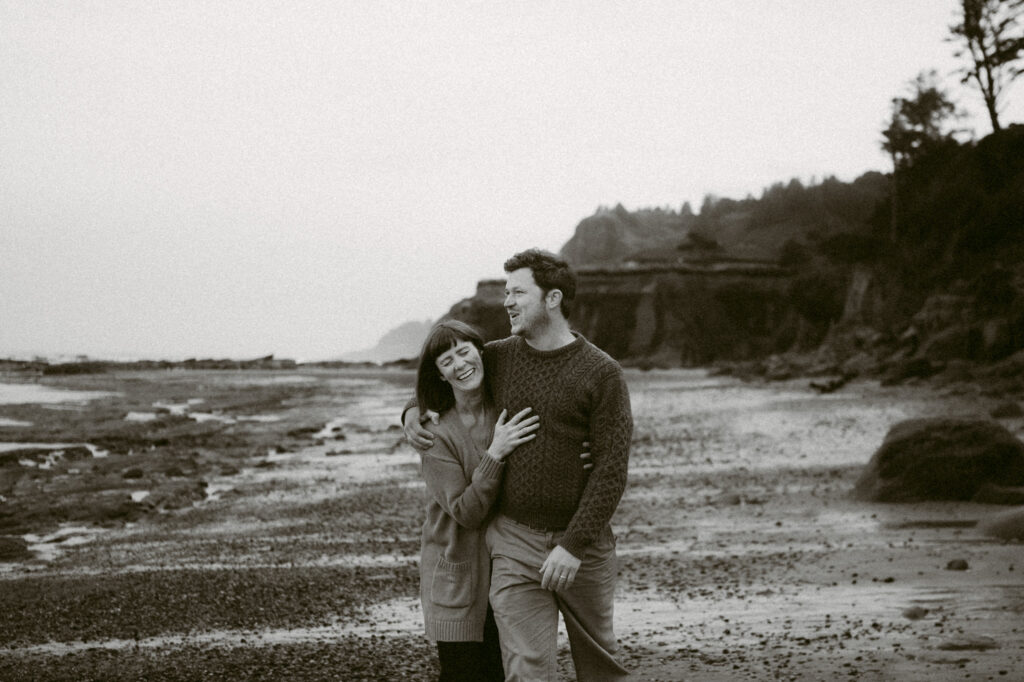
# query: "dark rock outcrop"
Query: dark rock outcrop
941,459
1007,525
13,548
670,315
610,235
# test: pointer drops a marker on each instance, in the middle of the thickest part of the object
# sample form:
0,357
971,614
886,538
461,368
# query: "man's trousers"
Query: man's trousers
527,614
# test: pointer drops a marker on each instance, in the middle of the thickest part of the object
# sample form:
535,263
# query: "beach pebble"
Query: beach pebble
915,613
957,565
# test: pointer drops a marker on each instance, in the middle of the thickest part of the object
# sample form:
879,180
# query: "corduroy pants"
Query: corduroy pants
527,614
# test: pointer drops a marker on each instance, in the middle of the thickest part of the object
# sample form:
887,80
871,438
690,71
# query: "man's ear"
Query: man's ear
554,298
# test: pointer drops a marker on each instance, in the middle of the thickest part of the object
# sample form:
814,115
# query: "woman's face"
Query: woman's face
461,366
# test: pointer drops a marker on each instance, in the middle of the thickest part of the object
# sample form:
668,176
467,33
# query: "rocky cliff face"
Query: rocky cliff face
679,315
610,235
832,268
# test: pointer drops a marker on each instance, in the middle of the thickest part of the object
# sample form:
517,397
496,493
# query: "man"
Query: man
551,543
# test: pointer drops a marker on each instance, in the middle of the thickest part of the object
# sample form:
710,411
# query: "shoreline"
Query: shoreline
742,556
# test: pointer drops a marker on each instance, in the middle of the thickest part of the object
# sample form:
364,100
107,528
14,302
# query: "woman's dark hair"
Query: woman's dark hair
433,392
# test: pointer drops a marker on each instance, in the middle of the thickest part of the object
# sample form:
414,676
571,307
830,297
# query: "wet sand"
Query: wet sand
271,532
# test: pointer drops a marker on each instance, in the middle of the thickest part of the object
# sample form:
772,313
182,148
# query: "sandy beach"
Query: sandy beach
264,526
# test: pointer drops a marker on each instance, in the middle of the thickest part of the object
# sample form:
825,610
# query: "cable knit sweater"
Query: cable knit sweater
579,393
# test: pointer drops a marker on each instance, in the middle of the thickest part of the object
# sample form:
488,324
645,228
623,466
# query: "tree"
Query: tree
918,121
991,37
917,124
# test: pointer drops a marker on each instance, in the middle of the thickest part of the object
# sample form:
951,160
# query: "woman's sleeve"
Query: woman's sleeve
446,482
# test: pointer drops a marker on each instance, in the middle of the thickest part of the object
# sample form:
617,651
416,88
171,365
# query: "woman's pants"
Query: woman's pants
473,661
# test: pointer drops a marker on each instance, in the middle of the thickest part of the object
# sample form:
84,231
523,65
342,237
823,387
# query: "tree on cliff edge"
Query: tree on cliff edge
917,125
991,38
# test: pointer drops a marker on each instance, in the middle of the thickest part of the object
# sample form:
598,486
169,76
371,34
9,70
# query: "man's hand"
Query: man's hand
559,570
415,434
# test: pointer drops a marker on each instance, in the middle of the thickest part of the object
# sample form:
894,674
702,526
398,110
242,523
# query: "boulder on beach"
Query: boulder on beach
941,459
1007,525
13,548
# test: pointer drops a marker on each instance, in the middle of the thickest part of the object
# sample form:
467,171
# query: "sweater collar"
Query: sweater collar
570,347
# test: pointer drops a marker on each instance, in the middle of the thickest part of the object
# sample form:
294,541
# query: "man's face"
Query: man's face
524,303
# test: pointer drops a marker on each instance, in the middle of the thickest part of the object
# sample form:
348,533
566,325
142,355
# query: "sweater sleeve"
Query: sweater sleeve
611,432
468,504
409,404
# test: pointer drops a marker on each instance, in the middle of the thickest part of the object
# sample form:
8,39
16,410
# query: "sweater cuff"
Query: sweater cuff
489,467
574,545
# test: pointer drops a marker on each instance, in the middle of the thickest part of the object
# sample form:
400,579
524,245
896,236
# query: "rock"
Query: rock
957,565
910,338
913,368
1007,410
915,613
13,548
990,493
941,459
1008,368
834,384
134,472
1006,525
178,495
942,311
778,369
956,371
860,364
969,643
949,344
9,477
76,453
727,500
997,339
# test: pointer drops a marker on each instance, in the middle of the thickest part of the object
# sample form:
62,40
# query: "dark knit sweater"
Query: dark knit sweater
579,393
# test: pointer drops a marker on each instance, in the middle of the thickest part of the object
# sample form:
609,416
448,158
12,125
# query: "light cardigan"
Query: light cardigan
463,482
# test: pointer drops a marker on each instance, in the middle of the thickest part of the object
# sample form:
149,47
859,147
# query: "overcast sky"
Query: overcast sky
242,178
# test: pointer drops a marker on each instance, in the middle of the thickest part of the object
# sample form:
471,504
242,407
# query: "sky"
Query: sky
239,178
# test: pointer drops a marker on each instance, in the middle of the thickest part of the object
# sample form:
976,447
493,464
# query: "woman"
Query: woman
463,473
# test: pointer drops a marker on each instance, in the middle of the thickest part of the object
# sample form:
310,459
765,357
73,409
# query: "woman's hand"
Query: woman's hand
508,435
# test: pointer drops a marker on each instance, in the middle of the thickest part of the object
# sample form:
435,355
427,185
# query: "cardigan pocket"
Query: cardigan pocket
452,585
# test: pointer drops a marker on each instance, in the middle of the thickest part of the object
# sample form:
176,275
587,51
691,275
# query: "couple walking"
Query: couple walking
517,525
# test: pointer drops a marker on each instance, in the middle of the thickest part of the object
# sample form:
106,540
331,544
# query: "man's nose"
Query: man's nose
508,301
